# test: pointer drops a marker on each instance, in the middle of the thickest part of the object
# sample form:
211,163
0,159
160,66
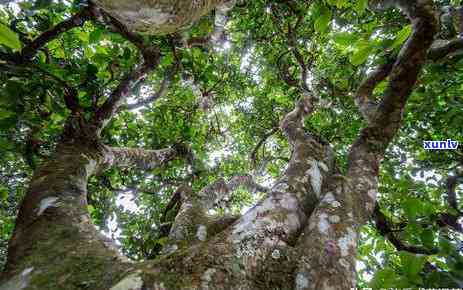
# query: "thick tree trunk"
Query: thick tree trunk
159,16
54,245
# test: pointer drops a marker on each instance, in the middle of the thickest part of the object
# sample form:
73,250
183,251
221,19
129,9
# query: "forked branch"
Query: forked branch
141,158
368,150
363,98
74,21
384,227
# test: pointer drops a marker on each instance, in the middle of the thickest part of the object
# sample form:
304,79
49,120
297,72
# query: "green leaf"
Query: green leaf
344,38
411,265
412,207
361,6
323,19
4,114
427,238
362,49
9,38
384,278
402,35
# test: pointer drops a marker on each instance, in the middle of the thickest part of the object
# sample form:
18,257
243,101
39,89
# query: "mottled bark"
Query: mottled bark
157,17
139,158
54,245
364,98
328,244
194,221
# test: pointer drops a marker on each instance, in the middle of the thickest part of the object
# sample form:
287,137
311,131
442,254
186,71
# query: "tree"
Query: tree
323,85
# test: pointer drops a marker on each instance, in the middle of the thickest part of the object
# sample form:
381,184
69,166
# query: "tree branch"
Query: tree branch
117,27
368,150
260,143
218,193
292,124
169,76
385,229
363,99
141,158
440,51
451,184
75,20
109,108
193,222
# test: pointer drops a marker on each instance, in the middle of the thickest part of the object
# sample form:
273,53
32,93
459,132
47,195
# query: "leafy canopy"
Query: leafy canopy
223,100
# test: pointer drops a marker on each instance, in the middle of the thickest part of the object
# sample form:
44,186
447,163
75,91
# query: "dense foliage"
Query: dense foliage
226,99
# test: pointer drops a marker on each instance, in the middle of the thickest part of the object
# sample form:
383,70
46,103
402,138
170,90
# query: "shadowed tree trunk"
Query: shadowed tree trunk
301,235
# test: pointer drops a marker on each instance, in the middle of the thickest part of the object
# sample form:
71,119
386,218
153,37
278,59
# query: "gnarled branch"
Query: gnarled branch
363,99
442,50
292,124
368,150
75,20
140,158
109,108
169,76
384,227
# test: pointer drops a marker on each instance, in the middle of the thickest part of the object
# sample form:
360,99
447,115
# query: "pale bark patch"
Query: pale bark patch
170,249
334,219
323,224
130,282
201,233
315,177
347,241
323,166
19,281
51,201
301,282
206,278
344,263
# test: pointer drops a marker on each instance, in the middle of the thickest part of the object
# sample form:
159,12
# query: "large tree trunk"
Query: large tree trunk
54,245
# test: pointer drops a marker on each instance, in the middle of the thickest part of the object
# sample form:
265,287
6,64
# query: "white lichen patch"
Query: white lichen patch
344,263
323,166
301,282
281,187
323,224
170,249
51,201
372,193
27,271
19,281
201,233
331,200
276,254
334,219
316,177
206,278
329,197
130,282
349,240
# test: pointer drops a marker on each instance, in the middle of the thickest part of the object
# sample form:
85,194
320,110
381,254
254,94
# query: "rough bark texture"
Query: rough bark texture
157,17
301,235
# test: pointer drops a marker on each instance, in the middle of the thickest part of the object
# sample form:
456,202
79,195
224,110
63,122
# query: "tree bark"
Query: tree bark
54,245
301,235
157,17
